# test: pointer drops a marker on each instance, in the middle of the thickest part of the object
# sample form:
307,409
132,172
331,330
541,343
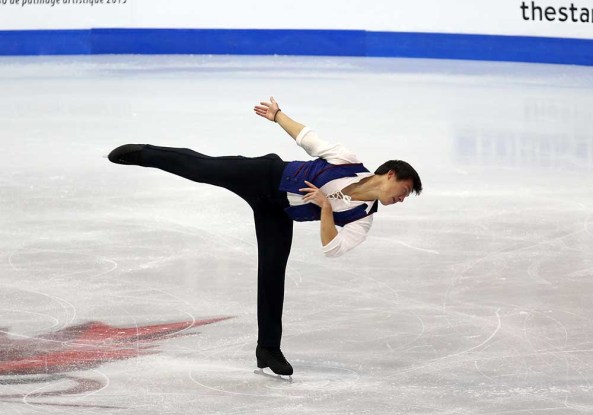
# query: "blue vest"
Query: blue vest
319,172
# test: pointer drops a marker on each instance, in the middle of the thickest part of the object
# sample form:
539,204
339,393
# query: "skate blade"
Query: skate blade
279,378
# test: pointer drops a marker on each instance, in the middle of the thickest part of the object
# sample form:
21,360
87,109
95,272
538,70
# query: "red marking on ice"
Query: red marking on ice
86,346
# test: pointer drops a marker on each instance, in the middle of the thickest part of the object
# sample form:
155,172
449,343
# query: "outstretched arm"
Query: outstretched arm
272,112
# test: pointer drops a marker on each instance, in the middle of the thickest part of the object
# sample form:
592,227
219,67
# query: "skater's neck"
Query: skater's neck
365,190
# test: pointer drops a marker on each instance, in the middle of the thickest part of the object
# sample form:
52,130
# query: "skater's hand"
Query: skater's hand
314,195
267,109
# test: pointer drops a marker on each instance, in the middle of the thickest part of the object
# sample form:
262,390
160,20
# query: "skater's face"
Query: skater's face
393,190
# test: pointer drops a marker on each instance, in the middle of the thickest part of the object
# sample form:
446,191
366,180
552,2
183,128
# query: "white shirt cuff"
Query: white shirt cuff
332,249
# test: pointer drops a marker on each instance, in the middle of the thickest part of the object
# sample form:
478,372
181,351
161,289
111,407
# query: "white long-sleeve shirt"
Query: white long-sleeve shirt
353,233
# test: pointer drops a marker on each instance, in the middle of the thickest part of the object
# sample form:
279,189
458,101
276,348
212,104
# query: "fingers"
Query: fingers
310,196
267,105
311,188
312,192
263,110
314,197
260,113
264,107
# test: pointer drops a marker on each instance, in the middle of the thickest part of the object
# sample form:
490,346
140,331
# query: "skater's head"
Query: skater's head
398,181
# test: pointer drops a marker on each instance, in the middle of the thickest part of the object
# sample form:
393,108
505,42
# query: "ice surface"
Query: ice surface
474,298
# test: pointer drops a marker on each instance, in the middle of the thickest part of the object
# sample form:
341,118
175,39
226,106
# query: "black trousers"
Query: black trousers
256,180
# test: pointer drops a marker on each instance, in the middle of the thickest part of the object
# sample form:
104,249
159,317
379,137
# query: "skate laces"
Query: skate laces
340,196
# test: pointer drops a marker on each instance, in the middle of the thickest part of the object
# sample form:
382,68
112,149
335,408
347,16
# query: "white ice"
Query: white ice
473,298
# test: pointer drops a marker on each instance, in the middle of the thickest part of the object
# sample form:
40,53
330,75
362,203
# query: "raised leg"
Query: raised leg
255,179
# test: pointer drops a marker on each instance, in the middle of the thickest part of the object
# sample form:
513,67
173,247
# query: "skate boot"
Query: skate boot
274,359
126,154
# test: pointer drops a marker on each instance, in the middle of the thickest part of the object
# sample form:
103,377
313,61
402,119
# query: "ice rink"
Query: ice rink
126,290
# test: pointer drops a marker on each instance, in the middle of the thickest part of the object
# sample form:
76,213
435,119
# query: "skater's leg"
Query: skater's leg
252,178
219,171
274,238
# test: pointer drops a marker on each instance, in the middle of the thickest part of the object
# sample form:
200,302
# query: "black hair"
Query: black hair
403,171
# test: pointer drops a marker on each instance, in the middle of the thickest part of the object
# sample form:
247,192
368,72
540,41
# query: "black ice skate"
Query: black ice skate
275,360
126,154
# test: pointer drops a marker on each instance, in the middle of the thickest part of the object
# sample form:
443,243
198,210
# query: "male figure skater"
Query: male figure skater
335,189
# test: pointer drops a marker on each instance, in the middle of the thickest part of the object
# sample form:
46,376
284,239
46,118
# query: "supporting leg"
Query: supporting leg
274,238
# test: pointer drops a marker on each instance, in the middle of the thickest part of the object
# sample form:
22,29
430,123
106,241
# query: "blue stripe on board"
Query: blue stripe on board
230,42
45,42
481,47
297,42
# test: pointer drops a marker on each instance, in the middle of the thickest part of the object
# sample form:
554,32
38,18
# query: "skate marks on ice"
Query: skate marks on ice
49,359
310,377
307,379
279,378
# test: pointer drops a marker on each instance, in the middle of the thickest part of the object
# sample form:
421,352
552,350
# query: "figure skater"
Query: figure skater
335,189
